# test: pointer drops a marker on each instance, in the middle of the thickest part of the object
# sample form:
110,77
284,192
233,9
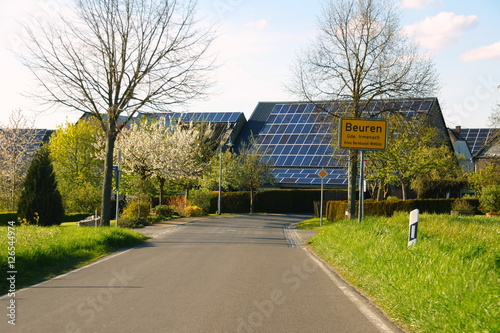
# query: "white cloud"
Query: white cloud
419,4
486,52
260,24
442,30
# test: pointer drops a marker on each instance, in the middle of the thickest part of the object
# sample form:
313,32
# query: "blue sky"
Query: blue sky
259,40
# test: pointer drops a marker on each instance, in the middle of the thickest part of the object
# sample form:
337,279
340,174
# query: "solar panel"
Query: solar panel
296,137
476,138
203,116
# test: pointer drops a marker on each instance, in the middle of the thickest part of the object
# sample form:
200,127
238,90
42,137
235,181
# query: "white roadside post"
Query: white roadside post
413,228
322,174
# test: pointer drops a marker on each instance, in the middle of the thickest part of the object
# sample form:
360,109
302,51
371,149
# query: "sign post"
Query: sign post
361,210
322,174
413,228
118,171
363,134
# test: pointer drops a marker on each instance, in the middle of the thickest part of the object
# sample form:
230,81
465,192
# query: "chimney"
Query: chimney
458,130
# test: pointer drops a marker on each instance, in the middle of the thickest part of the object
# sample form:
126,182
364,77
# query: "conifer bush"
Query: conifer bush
41,202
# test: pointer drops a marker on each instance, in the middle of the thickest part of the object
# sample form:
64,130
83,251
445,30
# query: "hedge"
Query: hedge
277,201
5,217
335,210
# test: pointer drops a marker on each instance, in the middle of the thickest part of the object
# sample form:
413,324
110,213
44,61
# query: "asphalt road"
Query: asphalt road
229,274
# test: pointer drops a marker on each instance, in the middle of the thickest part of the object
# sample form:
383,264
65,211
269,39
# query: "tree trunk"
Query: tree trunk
186,197
351,185
379,191
403,190
108,174
162,187
251,201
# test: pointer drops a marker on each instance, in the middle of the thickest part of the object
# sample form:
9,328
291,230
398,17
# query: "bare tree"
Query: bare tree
495,117
361,55
19,142
115,57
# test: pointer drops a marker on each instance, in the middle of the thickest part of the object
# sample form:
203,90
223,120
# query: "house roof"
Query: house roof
296,136
491,147
476,138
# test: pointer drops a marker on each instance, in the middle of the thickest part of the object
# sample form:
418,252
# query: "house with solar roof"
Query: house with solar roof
478,146
297,136
224,126
34,138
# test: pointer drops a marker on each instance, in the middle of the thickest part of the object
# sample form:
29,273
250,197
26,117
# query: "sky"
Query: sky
259,40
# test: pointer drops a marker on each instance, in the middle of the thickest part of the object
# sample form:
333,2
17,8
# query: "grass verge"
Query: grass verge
44,252
448,282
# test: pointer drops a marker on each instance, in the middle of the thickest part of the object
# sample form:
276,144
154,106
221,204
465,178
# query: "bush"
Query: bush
193,211
178,203
163,211
461,205
490,198
133,222
201,198
40,202
136,209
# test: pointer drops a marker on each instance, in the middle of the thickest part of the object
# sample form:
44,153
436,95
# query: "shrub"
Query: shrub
461,205
132,222
490,198
163,211
136,208
178,203
193,211
201,198
40,202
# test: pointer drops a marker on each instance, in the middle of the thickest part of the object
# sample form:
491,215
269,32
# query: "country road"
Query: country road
232,274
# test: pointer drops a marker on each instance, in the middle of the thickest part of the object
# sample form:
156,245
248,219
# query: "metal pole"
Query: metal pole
220,181
118,186
361,187
321,205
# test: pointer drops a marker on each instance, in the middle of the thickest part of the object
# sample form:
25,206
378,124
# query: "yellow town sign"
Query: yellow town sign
363,134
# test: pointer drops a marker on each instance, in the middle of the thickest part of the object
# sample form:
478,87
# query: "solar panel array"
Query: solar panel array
476,138
297,138
206,116
221,124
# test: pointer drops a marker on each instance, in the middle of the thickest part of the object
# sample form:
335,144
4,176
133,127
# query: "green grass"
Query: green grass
448,282
44,252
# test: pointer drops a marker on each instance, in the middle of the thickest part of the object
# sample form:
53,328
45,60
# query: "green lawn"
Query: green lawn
448,282
44,252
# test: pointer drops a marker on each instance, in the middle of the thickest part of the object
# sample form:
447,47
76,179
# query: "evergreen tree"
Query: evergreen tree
40,202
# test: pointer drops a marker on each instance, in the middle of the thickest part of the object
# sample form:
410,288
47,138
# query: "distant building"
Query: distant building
489,153
297,136
223,125
478,146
